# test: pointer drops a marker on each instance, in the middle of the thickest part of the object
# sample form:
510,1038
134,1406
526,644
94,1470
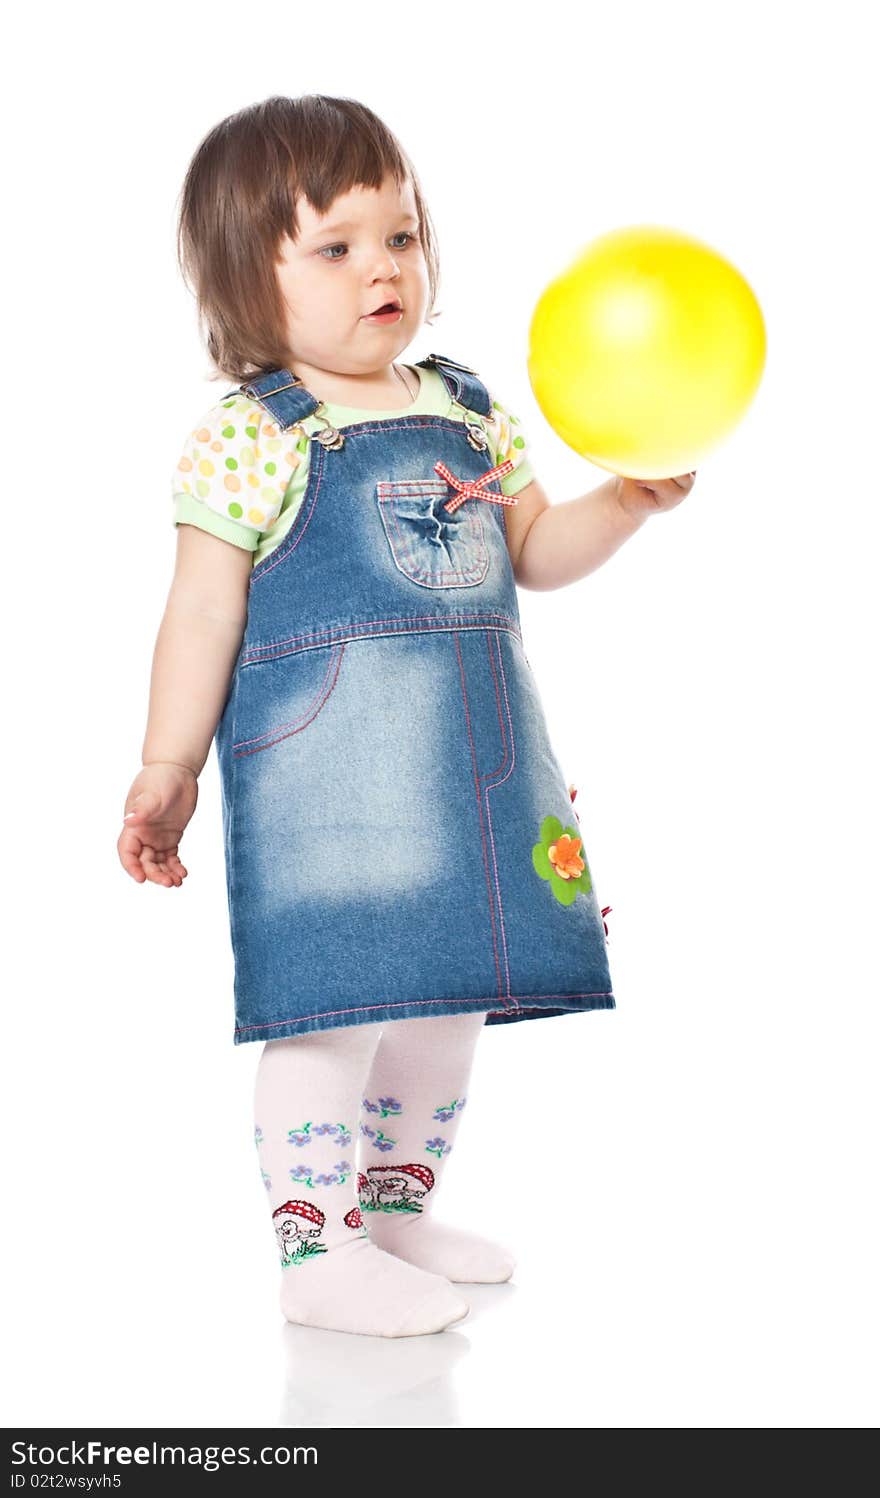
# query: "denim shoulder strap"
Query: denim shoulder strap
283,395
463,384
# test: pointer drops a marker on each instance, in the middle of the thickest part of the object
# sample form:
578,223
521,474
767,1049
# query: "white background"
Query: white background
706,1155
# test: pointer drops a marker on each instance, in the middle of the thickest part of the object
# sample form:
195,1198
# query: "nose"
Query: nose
385,267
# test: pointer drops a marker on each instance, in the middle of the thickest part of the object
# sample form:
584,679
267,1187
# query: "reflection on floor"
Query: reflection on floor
339,1380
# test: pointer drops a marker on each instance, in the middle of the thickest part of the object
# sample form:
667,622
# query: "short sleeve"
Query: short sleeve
233,473
508,440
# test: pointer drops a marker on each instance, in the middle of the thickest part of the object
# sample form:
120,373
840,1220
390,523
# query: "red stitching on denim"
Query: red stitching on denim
356,429
404,1003
477,613
532,1009
487,789
492,773
479,804
299,724
450,621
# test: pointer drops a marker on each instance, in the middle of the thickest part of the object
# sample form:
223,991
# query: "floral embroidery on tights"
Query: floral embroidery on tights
378,1139
304,1135
448,1110
385,1107
306,1175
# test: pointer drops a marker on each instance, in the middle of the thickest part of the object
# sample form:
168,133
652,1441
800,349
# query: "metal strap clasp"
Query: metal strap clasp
330,438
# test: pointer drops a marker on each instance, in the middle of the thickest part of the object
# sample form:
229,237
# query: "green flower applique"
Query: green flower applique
558,857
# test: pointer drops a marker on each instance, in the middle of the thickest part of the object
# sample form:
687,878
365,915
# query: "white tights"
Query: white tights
354,1126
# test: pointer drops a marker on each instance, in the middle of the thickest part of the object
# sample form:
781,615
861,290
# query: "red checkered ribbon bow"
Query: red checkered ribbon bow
475,488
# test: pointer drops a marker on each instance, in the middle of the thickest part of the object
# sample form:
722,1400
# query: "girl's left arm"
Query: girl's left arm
553,545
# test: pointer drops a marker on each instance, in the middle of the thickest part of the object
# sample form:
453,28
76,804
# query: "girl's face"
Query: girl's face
364,251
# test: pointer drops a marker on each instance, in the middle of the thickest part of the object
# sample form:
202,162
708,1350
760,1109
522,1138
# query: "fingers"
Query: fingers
128,846
155,869
145,863
162,868
132,865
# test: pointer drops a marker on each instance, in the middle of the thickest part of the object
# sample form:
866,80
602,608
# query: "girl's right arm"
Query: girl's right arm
196,648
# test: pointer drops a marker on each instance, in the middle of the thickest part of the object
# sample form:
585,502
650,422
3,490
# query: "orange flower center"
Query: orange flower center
565,858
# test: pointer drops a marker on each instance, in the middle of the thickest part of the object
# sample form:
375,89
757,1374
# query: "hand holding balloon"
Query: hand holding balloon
645,497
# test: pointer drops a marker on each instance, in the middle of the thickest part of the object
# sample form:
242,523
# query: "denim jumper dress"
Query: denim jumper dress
398,835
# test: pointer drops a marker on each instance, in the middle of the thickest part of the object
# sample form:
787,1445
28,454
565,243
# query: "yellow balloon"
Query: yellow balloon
646,351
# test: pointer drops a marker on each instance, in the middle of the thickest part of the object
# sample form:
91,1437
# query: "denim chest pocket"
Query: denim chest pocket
429,545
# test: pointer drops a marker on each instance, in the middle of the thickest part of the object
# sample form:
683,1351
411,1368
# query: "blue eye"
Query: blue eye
404,234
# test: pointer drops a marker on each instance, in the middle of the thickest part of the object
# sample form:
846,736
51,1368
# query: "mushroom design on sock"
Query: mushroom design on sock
353,1219
366,1192
297,1226
396,1188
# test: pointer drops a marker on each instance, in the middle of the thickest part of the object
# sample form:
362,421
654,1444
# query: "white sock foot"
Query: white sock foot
462,1257
356,1287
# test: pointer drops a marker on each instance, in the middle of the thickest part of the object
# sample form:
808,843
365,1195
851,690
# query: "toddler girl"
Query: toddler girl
403,860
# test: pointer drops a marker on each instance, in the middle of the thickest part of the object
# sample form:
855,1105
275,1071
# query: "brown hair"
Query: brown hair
238,201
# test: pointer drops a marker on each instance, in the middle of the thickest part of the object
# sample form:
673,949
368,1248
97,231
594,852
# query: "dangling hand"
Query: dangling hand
647,496
161,801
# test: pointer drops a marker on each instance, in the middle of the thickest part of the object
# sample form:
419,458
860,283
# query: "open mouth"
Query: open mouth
386,308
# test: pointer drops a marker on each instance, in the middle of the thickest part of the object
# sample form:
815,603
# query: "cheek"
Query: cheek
308,294
421,271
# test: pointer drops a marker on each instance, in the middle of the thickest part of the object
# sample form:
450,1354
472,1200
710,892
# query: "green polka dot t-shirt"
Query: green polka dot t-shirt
243,479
